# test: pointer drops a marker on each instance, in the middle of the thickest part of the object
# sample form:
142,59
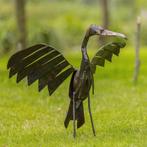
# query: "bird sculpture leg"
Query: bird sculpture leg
89,108
74,116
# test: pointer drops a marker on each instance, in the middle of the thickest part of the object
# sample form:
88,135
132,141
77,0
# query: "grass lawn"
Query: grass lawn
32,119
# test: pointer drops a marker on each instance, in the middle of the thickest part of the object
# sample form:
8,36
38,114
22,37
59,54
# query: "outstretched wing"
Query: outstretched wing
40,62
105,53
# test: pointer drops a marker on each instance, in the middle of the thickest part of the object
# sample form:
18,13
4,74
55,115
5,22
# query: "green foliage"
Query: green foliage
47,36
7,41
29,118
63,23
144,33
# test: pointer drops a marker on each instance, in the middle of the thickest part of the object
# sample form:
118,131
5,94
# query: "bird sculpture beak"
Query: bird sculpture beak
112,34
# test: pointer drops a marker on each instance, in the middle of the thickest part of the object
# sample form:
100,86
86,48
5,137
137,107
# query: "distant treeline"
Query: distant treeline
62,23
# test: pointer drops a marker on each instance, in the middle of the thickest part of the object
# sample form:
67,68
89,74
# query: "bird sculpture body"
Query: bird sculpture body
47,65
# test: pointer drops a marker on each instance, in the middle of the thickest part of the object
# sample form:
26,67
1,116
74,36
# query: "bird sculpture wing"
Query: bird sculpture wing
40,62
105,53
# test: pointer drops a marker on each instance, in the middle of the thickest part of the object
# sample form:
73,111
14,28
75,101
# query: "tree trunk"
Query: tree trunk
21,22
105,13
105,19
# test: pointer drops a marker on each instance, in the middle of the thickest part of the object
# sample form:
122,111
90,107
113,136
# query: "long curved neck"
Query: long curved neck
84,46
85,59
85,40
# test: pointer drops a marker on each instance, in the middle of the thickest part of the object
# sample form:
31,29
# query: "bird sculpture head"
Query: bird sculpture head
98,30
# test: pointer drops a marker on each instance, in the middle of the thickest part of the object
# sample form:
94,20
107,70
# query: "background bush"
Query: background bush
63,23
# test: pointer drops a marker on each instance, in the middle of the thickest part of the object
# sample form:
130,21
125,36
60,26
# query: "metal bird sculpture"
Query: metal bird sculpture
47,65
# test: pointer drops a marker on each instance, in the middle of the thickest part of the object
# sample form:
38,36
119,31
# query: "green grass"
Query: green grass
32,119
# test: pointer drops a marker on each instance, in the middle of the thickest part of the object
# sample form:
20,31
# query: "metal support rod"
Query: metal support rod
74,116
91,119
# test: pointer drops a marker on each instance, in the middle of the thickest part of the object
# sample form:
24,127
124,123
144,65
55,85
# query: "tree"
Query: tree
105,13
21,22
